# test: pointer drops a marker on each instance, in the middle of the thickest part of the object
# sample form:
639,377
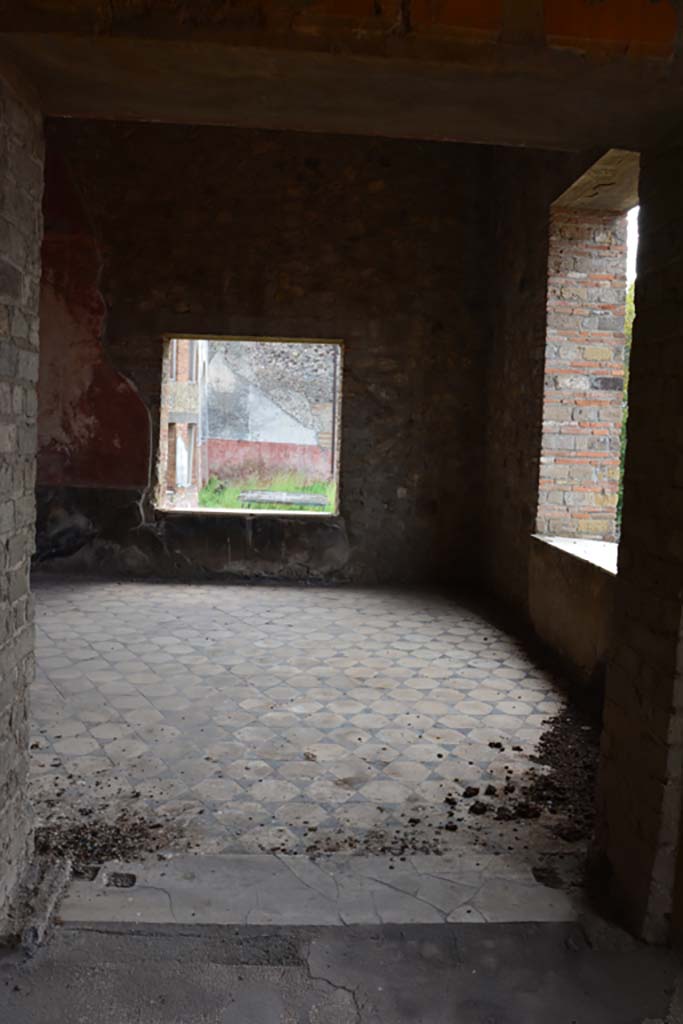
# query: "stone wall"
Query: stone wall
21,186
296,377
641,783
393,247
382,244
571,612
525,185
243,410
584,374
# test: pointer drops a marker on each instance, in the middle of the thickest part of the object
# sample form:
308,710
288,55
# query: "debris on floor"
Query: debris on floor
93,841
557,791
563,784
399,842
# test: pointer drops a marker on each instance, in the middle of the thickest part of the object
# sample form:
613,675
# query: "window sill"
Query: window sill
244,512
601,553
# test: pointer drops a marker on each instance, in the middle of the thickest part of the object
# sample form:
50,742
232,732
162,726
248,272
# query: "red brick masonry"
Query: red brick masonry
584,374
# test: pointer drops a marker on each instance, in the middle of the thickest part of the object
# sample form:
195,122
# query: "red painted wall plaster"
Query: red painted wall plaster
93,427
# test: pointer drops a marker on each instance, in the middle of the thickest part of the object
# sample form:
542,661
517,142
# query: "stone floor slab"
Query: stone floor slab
261,888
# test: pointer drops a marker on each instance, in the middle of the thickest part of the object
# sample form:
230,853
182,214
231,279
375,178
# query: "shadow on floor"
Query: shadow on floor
442,974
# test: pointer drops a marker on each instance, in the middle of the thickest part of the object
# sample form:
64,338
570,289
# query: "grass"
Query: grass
226,493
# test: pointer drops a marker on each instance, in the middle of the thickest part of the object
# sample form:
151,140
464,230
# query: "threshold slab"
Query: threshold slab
338,889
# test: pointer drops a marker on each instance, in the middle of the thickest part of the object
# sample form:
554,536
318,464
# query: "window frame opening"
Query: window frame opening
174,424
590,276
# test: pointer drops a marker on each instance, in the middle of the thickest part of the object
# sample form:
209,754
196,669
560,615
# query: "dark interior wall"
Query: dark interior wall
524,183
640,782
383,244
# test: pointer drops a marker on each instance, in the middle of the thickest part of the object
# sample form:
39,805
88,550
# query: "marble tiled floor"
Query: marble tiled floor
270,717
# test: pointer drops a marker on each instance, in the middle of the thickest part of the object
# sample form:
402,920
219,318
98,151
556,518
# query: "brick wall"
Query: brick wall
583,399
186,356
641,788
525,184
21,185
377,242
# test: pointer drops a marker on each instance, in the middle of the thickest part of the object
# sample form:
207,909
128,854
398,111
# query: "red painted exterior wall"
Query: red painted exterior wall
265,458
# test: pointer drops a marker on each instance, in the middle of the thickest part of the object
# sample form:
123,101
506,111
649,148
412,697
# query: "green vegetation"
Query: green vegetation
628,332
226,493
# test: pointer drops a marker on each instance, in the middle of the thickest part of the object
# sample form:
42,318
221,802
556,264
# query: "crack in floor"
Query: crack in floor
303,881
336,986
157,888
419,899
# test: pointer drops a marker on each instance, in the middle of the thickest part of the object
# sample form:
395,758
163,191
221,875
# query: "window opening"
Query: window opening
591,269
250,425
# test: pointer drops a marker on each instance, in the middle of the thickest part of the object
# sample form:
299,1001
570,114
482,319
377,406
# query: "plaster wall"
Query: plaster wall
297,379
92,428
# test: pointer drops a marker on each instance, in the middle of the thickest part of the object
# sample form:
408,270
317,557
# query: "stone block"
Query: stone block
8,438
611,383
11,282
598,353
